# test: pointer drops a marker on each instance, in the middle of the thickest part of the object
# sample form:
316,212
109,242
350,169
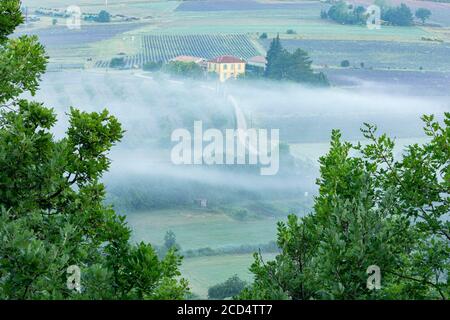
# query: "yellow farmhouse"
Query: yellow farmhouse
227,67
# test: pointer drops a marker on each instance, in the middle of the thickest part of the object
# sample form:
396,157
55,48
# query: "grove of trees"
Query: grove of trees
296,66
117,62
344,13
230,288
184,69
398,16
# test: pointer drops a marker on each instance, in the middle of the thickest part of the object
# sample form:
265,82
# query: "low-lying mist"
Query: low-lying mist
142,175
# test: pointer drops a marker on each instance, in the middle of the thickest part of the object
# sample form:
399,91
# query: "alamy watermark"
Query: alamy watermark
74,278
235,147
374,278
373,14
73,20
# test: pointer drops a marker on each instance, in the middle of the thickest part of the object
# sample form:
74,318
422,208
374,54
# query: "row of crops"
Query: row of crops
165,47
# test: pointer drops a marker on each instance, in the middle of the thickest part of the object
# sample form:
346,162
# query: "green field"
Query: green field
199,229
306,24
161,18
204,272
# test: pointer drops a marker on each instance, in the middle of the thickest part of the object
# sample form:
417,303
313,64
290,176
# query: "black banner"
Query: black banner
210,309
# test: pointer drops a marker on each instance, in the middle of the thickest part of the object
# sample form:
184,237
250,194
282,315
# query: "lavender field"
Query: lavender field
240,5
60,36
165,47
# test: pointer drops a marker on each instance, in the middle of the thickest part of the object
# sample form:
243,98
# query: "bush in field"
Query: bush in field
423,14
290,31
240,214
103,16
263,36
345,63
230,288
118,62
170,241
170,245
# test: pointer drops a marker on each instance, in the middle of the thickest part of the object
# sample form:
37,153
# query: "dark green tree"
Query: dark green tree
103,16
296,66
345,63
118,62
343,13
52,212
398,16
230,288
299,69
273,58
423,14
170,241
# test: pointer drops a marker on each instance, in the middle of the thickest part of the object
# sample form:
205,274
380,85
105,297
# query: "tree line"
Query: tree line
402,15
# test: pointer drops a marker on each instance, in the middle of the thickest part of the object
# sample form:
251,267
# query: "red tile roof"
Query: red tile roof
226,59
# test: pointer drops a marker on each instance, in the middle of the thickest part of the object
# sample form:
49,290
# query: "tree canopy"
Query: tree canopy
423,14
52,214
372,210
296,66
398,16
344,13
230,288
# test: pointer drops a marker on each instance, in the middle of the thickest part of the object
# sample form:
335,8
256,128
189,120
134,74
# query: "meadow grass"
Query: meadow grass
307,25
199,229
204,272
